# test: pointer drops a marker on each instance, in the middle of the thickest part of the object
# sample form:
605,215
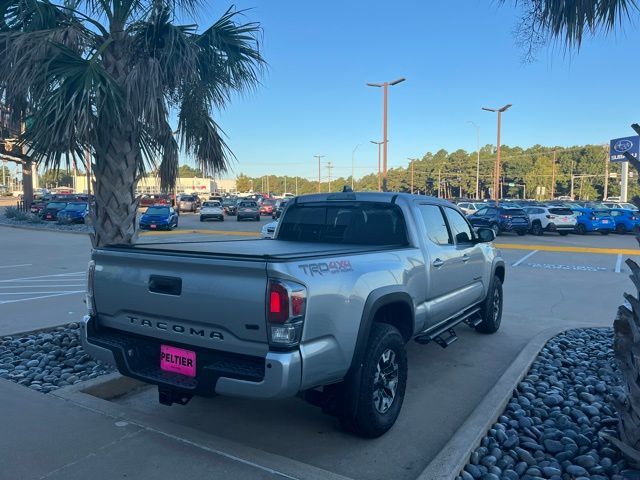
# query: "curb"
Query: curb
24,227
448,463
83,395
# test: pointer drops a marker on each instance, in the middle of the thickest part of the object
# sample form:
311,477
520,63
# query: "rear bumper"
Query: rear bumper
211,216
278,375
552,227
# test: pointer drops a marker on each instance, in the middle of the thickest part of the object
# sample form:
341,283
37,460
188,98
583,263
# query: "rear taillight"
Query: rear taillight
286,308
593,219
89,298
505,216
551,216
633,219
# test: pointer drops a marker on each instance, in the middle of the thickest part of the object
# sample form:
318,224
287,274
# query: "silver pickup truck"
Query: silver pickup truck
324,311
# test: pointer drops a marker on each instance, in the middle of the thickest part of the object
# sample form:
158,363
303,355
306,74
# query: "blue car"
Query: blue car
501,219
74,212
625,220
159,217
590,220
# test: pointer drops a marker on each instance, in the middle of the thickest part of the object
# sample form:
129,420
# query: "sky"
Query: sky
457,56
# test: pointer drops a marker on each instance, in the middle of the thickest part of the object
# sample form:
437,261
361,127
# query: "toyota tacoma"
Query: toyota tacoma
323,311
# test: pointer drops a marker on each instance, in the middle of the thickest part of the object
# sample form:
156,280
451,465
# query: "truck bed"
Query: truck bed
252,249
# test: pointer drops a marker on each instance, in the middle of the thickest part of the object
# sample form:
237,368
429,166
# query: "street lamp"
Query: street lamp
496,168
319,157
385,87
353,153
379,144
477,159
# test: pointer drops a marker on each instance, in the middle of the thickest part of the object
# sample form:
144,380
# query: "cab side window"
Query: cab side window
435,224
460,228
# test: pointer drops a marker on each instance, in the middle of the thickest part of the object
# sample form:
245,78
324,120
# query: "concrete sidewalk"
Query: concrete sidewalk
47,437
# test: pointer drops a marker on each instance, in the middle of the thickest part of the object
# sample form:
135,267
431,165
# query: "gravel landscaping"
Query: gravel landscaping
48,360
78,227
553,426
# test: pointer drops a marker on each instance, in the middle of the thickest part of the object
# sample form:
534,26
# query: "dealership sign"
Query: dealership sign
619,146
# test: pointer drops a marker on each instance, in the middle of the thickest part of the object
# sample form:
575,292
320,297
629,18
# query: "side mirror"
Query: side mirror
485,235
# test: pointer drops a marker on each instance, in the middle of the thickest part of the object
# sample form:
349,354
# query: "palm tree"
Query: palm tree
107,76
569,21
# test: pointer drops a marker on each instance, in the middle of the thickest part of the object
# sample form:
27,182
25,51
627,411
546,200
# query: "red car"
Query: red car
149,200
267,206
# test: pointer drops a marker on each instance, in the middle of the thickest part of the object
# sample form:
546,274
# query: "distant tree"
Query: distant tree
185,171
56,178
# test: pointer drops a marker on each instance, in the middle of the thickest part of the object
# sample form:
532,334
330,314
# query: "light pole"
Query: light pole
379,145
496,168
385,87
353,153
411,160
477,159
319,157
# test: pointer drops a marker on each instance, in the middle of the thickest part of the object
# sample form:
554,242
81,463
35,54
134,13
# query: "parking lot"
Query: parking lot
550,281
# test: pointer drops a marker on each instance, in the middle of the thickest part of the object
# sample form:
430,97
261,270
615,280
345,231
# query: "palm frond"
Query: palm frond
569,21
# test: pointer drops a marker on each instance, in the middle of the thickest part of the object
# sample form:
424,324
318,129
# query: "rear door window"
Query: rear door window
435,224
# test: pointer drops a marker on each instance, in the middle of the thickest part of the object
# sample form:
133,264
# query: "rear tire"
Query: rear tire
620,229
496,229
564,234
604,232
581,229
491,310
536,228
382,384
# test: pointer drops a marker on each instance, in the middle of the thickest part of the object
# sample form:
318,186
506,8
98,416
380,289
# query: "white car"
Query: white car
470,207
551,219
211,210
623,205
269,230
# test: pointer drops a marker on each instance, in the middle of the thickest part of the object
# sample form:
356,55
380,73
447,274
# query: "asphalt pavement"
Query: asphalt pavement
550,280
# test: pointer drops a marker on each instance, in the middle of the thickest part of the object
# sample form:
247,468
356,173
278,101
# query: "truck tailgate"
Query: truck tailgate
209,302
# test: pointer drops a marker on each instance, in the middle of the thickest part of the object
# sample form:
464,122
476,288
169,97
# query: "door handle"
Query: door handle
465,258
438,263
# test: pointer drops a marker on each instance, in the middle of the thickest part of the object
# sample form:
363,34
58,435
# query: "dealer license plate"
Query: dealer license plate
154,226
605,221
177,360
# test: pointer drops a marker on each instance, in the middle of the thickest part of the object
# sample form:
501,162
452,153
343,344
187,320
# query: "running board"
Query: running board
444,335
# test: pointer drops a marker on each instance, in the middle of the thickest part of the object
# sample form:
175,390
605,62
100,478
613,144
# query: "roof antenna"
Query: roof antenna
347,189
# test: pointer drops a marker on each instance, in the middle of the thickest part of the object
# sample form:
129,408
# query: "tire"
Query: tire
620,229
580,229
491,310
521,232
536,228
201,219
375,411
564,233
258,218
496,228
222,219
238,219
604,232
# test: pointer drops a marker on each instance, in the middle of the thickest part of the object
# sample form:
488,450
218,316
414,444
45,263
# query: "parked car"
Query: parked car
230,207
551,219
148,200
589,220
470,207
189,203
625,220
50,211
267,206
501,219
623,205
277,211
324,311
269,230
159,217
248,209
211,211
74,212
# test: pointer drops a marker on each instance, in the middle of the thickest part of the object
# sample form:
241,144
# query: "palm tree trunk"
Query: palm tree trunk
114,220
627,351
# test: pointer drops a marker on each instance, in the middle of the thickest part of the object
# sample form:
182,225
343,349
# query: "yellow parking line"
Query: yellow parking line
557,248
198,231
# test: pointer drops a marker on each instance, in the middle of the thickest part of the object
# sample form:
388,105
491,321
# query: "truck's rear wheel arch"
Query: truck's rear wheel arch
394,308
